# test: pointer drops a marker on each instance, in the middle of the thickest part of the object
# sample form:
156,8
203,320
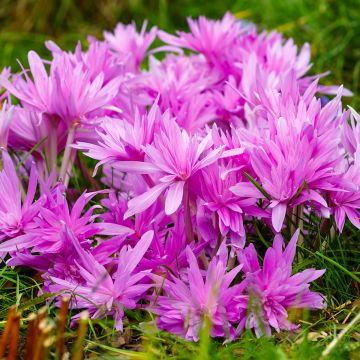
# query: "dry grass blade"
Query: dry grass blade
44,330
47,345
42,313
39,339
39,324
61,326
14,340
31,336
81,333
7,330
337,339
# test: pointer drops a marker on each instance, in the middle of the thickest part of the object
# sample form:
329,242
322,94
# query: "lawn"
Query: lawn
333,31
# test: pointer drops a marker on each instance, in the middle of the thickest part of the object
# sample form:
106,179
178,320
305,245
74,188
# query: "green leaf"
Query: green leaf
346,271
34,148
257,185
38,300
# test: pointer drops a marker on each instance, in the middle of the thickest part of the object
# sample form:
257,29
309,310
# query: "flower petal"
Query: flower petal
174,197
278,216
145,200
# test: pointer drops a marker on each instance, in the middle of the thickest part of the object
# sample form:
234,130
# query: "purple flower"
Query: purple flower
197,147
32,131
212,38
167,252
345,201
174,166
16,216
130,45
105,293
5,73
186,302
351,134
97,59
185,85
45,234
67,93
272,289
5,119
297,155
120,140
229,204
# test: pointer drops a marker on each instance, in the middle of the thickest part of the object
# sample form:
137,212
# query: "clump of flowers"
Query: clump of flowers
132,182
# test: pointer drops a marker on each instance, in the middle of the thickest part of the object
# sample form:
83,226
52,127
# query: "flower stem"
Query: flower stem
66,163
297,222
52,147
220,238
148,180
187,214
231,262
300,215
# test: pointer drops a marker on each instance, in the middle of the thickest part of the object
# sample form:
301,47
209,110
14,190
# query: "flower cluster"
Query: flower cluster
188,153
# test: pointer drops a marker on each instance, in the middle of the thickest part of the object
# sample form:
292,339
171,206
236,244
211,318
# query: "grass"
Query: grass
332,29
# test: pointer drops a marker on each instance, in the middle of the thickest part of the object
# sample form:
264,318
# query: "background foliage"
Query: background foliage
331,26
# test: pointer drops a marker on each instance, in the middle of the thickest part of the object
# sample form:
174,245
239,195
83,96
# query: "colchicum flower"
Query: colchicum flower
272,289
174,165
186,302
67,93
16,216
104,293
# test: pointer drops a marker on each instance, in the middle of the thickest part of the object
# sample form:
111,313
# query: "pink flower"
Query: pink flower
130,45
97,59
279,55
152,219
67,93
5,73
231,203
45,234
351,134
197,147
185,85
345,201
16,216
174,165
121,140
31,131
5,119
272,289
212,38
297,155
186,302
167,252
61,264
103,293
